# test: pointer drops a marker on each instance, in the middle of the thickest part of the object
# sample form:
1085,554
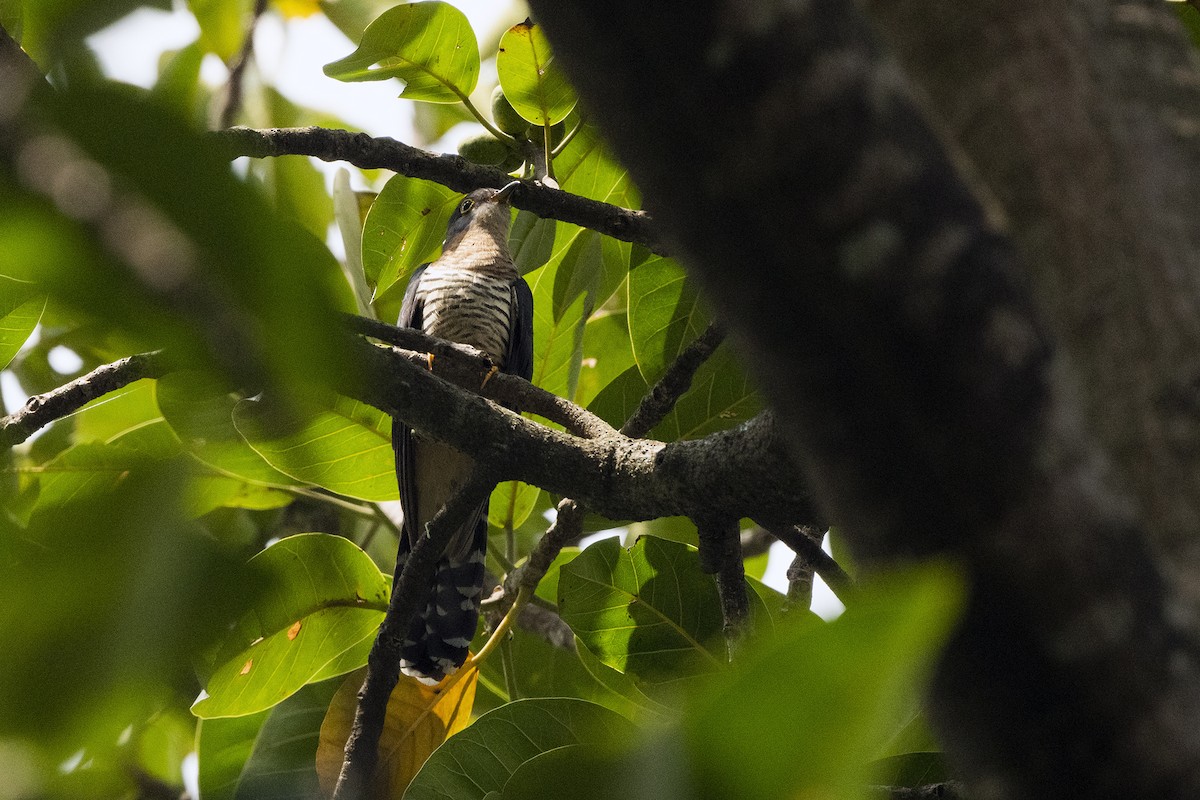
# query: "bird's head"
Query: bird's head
482,214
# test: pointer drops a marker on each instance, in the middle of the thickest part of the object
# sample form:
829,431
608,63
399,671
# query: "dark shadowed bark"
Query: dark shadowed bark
1081,118
889,322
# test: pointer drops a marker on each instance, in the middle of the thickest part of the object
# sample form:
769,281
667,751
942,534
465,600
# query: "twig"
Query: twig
659,401
383,664
721,555
233,87
799,583
454,172
824,565
40,410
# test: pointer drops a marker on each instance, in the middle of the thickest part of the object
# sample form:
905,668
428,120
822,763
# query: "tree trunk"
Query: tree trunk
889,323
1081,118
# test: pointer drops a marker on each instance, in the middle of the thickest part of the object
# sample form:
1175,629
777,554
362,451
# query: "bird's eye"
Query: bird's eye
466,206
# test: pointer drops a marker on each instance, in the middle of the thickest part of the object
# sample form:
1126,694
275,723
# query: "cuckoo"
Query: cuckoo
472,294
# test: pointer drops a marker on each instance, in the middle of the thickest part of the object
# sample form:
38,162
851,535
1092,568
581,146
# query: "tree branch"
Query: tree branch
383,664
468,367
233,87
40,410
453,172
674,384
804,546
721,555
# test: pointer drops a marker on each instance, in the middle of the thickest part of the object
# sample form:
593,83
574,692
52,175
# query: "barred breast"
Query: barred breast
468,307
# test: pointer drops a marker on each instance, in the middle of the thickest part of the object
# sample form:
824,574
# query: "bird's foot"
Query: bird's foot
488,377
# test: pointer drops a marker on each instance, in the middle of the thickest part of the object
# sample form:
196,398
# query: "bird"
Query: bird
472,294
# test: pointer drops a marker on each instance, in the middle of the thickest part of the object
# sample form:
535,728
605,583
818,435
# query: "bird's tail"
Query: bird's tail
437,643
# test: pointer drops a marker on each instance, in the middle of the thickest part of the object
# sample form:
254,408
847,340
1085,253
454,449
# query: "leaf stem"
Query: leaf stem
484,121
549,154
566,140
502,629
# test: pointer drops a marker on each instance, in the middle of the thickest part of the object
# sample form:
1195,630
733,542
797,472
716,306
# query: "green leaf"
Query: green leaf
200,412
297,189
531,80
485,756
178,82
554,343
430,46
606,354
664,315
619,399
531,241
647,611
117,413
125,573
511,504
827,696
223,24
91,470
353,18
341,444
254,300
21,307
269,755
586,169
721,396
326,597
163,744
404,229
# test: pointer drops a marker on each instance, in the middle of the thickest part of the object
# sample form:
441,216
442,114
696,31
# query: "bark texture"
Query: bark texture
1081,119
889,322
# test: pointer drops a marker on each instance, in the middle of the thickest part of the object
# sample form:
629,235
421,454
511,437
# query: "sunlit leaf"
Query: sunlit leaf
404,229
327,596
531,80
430,46
21,307
511,504
484,757
342,445
419,719
111,415
664,315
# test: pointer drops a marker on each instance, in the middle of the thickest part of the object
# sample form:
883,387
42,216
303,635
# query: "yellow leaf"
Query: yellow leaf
297,8
419,718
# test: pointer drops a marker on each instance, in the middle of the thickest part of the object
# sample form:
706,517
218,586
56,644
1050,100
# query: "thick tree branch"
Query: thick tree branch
453,172
40,410
888,324
383,664
658,402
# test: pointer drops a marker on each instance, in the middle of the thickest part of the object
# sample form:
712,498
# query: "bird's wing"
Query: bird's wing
402,435
519,358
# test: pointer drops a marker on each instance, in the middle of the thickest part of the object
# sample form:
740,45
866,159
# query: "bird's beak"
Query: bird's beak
505,194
